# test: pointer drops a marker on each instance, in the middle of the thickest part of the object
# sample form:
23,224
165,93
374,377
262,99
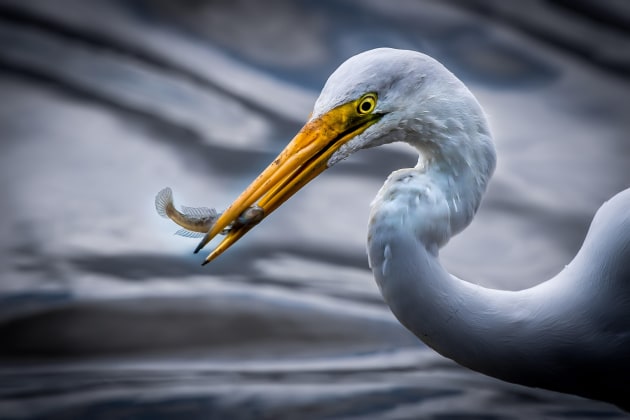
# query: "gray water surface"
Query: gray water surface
105,314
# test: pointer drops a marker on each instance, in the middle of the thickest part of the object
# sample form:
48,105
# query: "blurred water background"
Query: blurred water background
104,314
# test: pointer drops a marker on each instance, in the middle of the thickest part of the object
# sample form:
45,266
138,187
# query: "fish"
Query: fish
195,222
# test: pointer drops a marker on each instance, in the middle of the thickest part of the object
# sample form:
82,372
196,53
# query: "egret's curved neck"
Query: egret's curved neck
517,336
456,156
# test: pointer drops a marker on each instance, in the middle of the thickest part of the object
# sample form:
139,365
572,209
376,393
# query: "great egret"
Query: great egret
569,334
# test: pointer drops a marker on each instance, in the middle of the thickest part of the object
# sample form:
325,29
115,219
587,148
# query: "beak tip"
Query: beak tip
209,258
204,241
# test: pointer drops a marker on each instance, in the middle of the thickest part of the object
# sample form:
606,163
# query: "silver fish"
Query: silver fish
197,221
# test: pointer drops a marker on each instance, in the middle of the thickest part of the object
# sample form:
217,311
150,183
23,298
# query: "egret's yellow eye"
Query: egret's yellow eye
367,104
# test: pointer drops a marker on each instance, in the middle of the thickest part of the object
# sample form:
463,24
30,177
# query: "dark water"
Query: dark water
105,314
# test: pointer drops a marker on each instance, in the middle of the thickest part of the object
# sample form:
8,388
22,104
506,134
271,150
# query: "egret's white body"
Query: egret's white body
570,333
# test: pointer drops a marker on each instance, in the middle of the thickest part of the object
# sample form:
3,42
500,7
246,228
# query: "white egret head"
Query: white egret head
376,97
417,101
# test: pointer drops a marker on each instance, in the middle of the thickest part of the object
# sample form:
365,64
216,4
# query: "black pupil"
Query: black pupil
365,106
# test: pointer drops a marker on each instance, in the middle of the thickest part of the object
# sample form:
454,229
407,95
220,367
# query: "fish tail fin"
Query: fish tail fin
164,202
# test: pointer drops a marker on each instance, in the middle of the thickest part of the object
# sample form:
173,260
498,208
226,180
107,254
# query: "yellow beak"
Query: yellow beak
305,157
